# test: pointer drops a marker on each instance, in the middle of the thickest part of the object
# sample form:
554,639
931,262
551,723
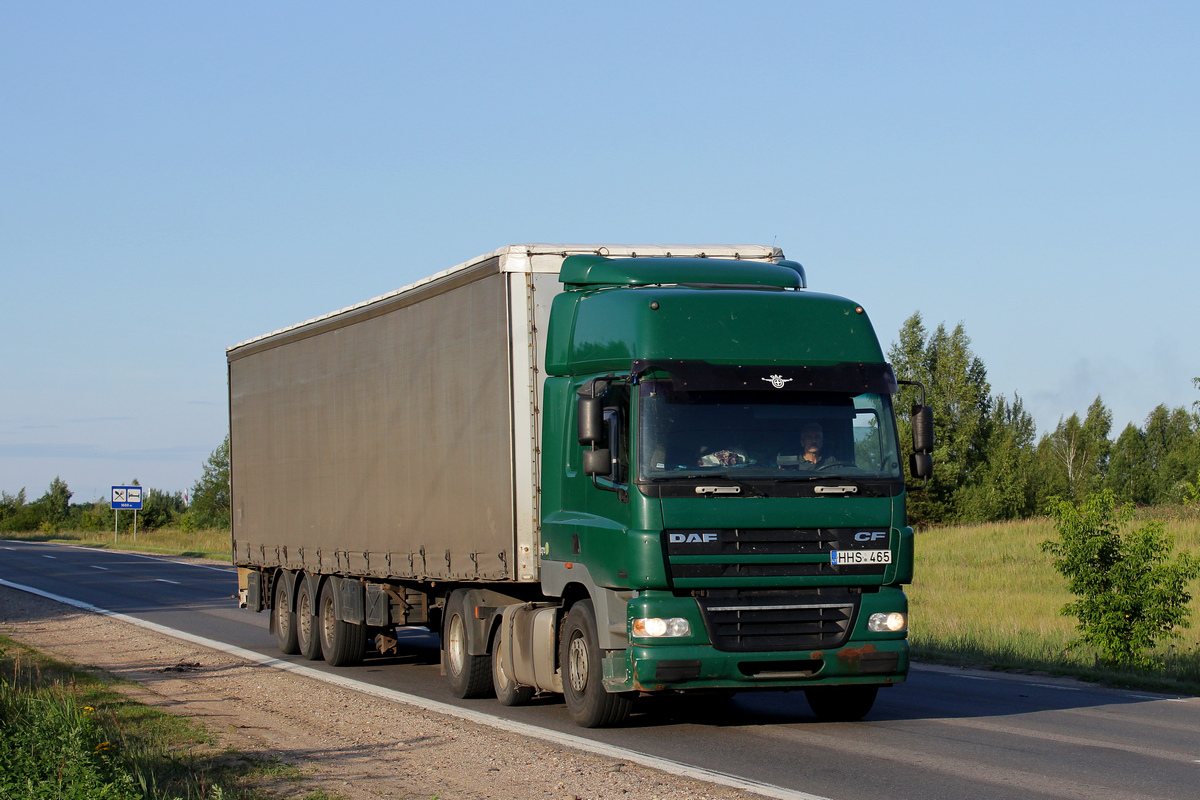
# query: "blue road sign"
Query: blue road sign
127,497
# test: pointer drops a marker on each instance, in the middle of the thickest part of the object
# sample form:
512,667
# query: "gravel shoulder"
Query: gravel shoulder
349,745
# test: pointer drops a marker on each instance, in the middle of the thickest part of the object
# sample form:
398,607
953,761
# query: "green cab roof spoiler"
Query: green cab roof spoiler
583,271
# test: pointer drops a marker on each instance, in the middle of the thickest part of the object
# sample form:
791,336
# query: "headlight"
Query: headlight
654,627
887,623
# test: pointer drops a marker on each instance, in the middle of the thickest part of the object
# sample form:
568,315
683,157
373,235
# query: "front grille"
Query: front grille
768,620
683,571
717,545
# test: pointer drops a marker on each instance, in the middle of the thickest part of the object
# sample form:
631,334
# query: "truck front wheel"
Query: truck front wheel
468,675
580,660
285,620
307,636
841,703
343,643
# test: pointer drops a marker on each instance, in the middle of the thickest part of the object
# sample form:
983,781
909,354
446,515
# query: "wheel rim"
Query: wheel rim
577,664
498,662
283,619
455,645
305,629
327,620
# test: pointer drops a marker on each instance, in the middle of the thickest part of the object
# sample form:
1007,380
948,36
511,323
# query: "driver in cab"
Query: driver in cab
812,444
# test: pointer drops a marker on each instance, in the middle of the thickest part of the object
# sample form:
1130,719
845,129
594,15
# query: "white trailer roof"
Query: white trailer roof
543,257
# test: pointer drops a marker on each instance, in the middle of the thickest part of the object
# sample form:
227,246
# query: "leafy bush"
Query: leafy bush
1131,592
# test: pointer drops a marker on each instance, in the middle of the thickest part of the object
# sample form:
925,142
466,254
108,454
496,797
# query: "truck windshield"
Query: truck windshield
765,435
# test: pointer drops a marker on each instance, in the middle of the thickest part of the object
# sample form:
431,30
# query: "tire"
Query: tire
468,675
343,643
508,691
307,636
580,660
841,703
284,620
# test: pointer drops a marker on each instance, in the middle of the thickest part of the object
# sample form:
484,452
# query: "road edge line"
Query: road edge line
480,718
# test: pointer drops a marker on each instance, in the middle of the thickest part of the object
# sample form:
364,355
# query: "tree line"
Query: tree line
990,464
54,511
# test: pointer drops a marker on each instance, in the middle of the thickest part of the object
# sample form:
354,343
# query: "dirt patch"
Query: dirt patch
345,743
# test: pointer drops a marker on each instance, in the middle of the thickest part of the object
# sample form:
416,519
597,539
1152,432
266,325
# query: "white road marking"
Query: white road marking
230,568
477,717
95,566
164,580
46,556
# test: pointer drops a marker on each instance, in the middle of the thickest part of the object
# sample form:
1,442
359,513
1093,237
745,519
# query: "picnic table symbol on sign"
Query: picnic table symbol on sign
127,497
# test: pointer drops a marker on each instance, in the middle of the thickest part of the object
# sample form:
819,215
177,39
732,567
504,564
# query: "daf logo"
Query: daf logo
870,536
693,538
778,381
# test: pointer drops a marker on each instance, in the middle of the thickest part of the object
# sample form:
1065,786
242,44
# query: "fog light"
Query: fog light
654,627
887,623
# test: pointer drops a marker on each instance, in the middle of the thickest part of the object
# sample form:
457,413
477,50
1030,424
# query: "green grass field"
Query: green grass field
212,543
987,594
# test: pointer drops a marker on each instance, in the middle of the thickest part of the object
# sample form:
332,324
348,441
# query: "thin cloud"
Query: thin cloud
181,453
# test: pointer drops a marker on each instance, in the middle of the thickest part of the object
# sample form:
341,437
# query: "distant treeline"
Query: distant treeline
989,463
54,511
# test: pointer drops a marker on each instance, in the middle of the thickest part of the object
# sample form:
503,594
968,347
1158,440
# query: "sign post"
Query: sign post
127,497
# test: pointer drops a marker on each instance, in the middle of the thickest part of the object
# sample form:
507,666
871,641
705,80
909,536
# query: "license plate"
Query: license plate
840,557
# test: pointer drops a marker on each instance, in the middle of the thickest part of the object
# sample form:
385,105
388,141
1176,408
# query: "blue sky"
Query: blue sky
176,178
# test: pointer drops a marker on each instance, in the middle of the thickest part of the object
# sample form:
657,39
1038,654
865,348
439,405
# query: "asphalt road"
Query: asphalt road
958,735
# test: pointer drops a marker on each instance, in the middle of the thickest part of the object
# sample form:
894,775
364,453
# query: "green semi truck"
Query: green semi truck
596,470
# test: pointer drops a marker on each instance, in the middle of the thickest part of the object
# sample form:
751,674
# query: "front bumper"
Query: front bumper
694,662
656,669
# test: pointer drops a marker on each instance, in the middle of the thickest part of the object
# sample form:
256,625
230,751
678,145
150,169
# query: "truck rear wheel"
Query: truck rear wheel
841,703
284,620
307,636
508,691
580,659
468,675
343,643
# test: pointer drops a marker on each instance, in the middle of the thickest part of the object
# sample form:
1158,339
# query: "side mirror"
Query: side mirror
591,420
597,462
922,429
921,466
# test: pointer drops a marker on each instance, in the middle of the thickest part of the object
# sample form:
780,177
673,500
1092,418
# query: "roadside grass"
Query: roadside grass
66,734
212,543
987,594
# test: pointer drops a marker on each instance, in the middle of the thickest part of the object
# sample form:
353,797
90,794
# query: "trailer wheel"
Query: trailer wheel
284,620
307,636
343,643
841,703
468,675
583,687
508,691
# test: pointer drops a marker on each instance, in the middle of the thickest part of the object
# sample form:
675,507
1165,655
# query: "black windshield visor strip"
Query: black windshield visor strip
701,376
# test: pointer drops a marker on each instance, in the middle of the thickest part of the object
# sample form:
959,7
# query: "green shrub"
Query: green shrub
1130,592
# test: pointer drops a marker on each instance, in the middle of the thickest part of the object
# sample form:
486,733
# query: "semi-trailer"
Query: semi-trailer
596,470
